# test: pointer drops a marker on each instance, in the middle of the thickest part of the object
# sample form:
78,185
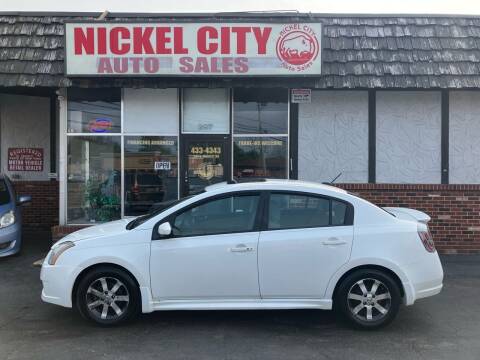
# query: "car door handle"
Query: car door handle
333,242
241,248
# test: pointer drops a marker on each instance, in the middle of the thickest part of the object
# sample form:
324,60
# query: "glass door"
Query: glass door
206,161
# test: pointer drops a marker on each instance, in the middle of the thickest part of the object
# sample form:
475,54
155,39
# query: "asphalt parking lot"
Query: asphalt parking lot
444,327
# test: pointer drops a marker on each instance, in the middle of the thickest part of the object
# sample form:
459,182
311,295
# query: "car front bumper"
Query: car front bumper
10,239
57,287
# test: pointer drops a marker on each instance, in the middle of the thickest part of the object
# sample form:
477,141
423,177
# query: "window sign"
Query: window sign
25,159
163,165
100,125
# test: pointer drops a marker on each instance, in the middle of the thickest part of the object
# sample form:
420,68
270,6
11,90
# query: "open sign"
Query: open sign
100,125
163,165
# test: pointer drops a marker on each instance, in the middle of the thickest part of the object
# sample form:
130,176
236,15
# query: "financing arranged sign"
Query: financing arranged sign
193,49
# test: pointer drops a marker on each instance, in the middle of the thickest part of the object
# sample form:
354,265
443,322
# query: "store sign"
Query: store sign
228,49
301,96
25,159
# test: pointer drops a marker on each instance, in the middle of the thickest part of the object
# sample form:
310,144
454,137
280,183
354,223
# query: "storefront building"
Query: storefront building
103,119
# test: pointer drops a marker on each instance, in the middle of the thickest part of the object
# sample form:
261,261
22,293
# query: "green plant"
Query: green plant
100,206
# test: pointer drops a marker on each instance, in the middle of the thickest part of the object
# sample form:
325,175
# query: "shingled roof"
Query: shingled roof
358,52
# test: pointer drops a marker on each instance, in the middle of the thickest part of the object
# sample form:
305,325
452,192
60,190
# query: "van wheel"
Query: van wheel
108,296
369,299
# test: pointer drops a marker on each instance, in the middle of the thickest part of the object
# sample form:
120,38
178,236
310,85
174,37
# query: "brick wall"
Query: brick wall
454,209
42,213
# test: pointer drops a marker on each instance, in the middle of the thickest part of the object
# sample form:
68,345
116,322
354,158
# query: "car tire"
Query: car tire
108,296
368,298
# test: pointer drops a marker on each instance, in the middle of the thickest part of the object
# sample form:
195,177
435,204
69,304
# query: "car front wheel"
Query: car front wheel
108,296
369,299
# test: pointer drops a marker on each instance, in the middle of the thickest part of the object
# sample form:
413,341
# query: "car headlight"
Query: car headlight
59,250
7,219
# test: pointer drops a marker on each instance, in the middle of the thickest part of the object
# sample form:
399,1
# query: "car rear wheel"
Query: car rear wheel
369,299
108,296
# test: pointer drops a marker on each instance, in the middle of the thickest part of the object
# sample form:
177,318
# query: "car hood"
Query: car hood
107,229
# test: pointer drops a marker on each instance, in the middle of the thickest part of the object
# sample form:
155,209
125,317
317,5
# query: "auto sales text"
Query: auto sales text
149,49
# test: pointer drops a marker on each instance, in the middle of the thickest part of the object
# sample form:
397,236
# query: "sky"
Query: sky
463,7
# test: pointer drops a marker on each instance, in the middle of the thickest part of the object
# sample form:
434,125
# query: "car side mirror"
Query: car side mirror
164,229
24,199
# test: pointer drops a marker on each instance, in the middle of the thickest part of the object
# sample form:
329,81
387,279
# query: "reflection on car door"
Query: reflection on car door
213,253
307,239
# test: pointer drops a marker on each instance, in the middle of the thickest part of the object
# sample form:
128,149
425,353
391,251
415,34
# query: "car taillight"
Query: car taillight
427,239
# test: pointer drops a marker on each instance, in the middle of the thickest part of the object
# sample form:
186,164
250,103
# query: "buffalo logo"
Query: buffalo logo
297,48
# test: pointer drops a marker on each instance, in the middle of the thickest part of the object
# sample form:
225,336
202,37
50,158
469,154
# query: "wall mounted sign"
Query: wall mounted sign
25,159
301,96
228,49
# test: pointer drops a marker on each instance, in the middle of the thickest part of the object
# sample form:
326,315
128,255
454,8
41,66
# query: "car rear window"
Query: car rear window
4,193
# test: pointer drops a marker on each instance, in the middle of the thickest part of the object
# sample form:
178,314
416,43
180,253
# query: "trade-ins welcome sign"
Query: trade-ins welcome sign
208,49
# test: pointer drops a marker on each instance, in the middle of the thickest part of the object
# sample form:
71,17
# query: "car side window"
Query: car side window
225,215
291,211
339,212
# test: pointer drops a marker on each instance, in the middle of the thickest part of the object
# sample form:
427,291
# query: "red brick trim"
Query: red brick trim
42,212
417,187
454,209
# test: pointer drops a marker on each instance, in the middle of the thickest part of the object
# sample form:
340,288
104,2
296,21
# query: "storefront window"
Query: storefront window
264,157
260,111
257,112
93,179
151,172
206,111
93,111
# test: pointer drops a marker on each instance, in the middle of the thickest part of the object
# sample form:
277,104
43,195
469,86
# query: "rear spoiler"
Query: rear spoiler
408,214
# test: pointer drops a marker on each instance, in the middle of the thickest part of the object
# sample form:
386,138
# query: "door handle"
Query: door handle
333,242
241,248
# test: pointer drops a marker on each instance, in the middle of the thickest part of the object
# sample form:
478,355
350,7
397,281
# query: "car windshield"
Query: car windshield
4,193
156,209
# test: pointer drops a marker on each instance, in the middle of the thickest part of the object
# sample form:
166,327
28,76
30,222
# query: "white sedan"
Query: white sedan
273,244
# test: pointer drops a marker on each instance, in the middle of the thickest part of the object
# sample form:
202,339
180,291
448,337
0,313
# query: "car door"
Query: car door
212,253
306,239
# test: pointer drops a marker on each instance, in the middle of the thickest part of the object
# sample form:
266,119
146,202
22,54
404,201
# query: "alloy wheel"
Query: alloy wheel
107,298
369,300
